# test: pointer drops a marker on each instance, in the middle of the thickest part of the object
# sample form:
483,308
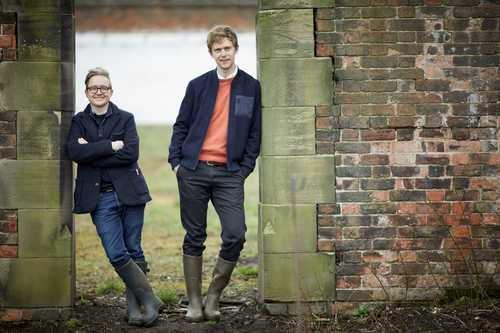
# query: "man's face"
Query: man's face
223,52
99,90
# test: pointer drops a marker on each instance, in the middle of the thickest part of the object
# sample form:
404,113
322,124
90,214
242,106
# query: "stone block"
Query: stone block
298,277
288,131
47,89
35,282
41,135
297,180
35,184
44,233
38,6
285,33
296,4
296,82
288,229
46,37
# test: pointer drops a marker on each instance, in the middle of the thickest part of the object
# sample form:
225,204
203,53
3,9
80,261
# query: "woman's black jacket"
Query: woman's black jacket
97,154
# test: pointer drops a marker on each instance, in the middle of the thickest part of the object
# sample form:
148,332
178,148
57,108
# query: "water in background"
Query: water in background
150,70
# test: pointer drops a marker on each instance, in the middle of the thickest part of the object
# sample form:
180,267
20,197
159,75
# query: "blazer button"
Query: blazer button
96,184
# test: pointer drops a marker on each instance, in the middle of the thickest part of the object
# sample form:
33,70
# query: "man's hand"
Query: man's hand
117,145
82,141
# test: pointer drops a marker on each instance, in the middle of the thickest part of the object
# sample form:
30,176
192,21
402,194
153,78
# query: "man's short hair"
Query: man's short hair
219,32
97,71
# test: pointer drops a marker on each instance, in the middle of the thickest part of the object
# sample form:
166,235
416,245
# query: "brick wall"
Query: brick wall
7,37
415,133
8,233
8,217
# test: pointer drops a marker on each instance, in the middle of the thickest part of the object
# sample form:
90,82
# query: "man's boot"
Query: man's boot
134,314
192,276
135,280
220,279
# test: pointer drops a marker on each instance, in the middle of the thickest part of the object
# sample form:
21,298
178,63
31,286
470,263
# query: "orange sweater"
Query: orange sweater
214,146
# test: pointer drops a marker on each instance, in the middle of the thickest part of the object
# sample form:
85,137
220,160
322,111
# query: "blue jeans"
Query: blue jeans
120,229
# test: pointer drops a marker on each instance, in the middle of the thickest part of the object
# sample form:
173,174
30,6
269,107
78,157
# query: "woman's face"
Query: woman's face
99,91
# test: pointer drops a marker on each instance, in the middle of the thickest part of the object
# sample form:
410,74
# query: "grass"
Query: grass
163,234
169,297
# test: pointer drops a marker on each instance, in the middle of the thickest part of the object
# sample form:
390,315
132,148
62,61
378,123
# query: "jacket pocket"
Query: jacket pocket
138,181
244,106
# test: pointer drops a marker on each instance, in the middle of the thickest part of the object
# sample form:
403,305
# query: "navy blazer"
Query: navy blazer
244,124
122,167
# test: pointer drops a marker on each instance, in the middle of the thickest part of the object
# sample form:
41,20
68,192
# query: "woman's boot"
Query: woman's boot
135,280
134,314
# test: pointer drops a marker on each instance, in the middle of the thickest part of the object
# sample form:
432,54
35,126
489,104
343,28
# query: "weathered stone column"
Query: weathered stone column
36,105
294,176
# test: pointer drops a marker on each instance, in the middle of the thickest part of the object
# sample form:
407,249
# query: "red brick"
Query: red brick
325,50
407,256
459,159
491,218
350,209
407,208
460,231
378,135
325,221
324,122
344,307
6,42
326,245
9,54
349,282
8,29
8,251
457,208
435,195
484,183
433,208
380,196
15,315
325,25
372,257
372,281
455,220
462,243
327,209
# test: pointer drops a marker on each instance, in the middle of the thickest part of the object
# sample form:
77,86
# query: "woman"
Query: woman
110,186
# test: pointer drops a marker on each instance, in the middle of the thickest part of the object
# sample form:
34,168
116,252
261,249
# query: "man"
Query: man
215,142
110,186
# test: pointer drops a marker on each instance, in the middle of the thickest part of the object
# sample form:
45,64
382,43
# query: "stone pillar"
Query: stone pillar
295,178
36,106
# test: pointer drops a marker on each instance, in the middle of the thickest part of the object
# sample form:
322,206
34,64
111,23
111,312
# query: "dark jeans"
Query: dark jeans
225,189
120,229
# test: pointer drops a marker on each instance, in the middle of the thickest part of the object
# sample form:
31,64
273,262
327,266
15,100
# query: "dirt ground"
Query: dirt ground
106,314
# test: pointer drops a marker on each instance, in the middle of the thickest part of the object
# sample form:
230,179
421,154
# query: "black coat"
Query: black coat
122,167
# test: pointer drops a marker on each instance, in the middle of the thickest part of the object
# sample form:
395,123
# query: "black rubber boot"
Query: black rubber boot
220,279
135,280
134,314
192,276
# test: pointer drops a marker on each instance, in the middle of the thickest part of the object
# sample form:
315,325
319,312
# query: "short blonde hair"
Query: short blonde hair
219,32
97,71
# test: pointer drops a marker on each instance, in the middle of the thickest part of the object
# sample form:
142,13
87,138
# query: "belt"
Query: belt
108,189
213,163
